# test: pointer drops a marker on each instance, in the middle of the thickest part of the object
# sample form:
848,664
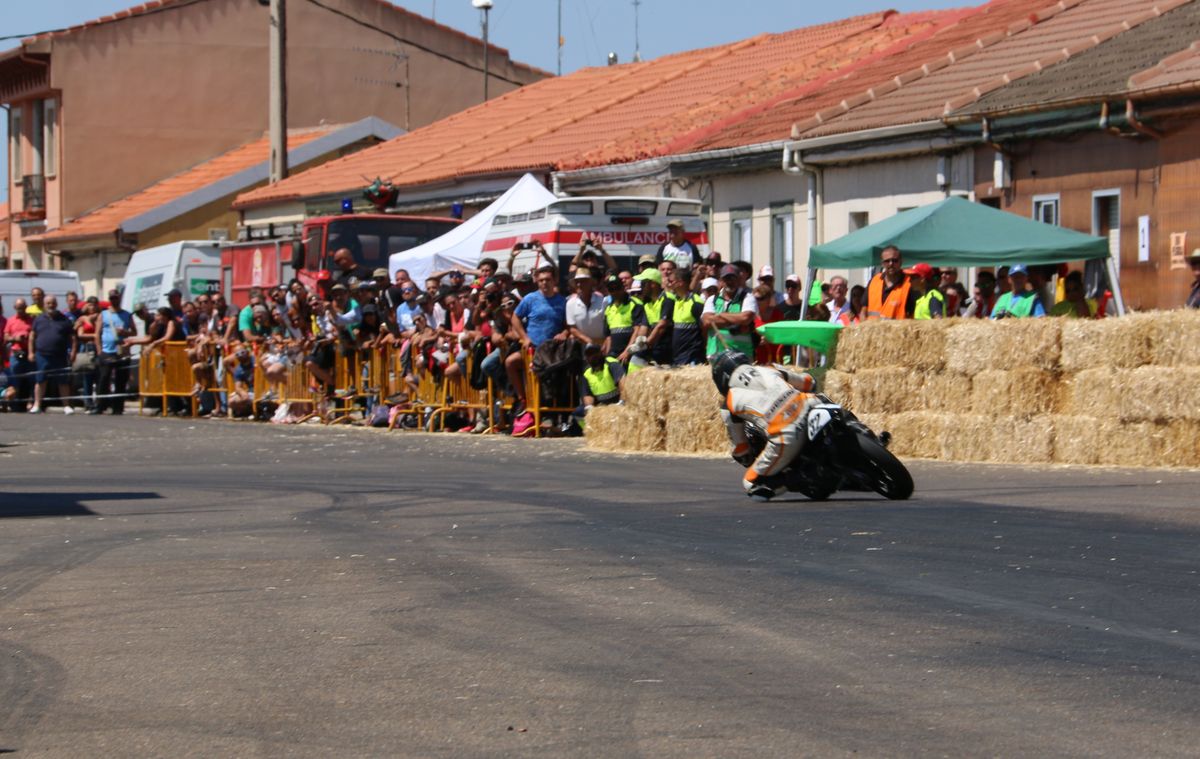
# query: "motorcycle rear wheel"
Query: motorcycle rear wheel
887,475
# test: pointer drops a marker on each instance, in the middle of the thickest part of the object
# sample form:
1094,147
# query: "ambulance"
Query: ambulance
628,227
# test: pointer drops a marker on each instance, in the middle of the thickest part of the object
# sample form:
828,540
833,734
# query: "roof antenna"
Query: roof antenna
637,44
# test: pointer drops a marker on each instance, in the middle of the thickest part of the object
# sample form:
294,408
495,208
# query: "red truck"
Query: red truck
280,255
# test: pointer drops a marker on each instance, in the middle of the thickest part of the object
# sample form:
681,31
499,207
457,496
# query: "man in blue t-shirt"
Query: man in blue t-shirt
541,316
115,325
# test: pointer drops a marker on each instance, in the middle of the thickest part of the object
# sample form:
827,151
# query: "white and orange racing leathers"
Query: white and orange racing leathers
774,400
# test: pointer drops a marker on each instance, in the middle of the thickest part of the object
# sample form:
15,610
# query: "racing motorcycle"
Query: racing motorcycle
841,453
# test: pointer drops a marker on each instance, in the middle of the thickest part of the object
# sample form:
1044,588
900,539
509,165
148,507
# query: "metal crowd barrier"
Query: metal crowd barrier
361,382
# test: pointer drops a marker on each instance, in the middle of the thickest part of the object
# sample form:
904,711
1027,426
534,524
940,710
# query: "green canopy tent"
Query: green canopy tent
957,232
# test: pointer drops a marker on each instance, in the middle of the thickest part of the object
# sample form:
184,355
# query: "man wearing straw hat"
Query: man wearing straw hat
1193,300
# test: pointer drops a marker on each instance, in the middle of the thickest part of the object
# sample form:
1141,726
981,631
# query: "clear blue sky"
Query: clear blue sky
591,28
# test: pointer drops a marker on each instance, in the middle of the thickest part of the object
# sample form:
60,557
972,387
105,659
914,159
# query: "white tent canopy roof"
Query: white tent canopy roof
462,247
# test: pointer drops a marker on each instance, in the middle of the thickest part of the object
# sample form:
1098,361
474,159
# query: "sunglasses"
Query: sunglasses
791,285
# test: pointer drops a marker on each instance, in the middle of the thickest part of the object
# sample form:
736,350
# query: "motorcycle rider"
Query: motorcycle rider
775,401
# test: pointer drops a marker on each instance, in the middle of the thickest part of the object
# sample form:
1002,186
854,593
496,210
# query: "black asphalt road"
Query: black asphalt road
173,588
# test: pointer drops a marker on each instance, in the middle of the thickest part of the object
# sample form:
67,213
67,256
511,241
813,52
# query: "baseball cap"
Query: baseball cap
922,270
583,272
765,272
713,258
526,277
654,275
591,347
1018,269
174,291
792,279
635,286
613,279
729,270
1194,255
675,223
709,282
339,287
646,259
379,273
370,309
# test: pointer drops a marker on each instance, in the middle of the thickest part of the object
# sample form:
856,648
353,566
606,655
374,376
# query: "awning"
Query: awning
957,232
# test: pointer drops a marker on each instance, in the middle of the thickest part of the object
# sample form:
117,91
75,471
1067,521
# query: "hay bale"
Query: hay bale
1159,393
968,438
1181,444
645,391
945,392
1175,338
918,433
1093,392
973,345
878,344
1128,443
623,428
889,390
1075,440
1021,392
1122,342
696,431
837,385
1023,440
690,388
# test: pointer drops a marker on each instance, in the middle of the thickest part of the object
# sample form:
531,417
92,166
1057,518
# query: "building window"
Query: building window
741,241
782,240
50,137
858,220
1045,209
37,139
1106,221
17,167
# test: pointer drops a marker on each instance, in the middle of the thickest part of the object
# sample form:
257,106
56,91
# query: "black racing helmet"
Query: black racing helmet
723,366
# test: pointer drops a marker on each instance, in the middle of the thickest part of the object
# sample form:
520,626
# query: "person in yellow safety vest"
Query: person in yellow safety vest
600,383
619,318
683,313
728,316
931,303
655,324
890,294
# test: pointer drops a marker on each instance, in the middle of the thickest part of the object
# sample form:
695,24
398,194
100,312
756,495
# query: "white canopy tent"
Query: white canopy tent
462,247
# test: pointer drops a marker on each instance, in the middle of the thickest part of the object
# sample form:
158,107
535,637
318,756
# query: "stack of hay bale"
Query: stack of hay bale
1119,392
1111,391
672,410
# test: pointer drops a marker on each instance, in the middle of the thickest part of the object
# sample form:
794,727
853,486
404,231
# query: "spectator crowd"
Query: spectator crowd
579,331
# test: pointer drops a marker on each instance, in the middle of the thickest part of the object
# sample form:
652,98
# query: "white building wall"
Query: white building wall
732,196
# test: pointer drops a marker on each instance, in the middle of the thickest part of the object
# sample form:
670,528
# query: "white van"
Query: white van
629,227
16,283
191,266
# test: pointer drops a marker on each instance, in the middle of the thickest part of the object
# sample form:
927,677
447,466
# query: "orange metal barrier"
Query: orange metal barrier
166,372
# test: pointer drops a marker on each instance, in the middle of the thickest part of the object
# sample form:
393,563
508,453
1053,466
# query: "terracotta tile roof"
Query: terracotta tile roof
107,220
1105,69
1054,35
602,115
1178,71
785,63
972,29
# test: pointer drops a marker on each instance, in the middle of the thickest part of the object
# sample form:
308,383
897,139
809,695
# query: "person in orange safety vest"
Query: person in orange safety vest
890,294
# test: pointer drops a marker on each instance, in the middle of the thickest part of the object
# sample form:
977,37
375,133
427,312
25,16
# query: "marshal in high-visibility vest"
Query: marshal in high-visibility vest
923,311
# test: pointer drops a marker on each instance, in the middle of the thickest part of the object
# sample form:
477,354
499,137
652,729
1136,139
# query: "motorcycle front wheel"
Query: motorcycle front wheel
887,475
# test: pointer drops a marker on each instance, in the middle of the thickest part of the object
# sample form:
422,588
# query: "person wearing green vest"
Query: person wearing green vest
730,315
683,313
600,383
619,318
655,323
1020,302
931,303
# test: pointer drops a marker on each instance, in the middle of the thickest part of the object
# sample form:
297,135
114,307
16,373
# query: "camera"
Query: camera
524,245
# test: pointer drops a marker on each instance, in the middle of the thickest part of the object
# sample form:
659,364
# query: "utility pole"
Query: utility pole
485,6
637,40
560,39
278,95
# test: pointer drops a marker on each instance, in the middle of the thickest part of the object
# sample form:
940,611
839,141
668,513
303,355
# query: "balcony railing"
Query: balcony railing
33,196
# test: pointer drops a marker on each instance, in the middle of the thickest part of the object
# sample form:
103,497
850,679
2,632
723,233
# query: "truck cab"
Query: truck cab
274,256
